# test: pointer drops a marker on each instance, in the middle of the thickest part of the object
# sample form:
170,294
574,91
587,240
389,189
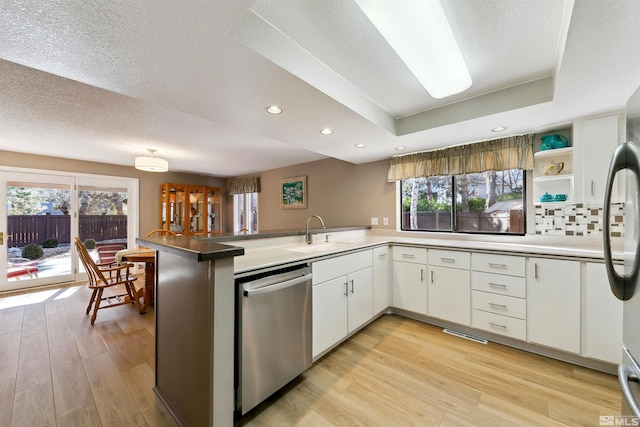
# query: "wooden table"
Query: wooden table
149,259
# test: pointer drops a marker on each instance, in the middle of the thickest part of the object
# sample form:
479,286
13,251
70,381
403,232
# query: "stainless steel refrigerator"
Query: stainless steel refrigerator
625,166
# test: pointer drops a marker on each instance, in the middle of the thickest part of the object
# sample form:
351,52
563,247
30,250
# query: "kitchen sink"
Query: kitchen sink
320,247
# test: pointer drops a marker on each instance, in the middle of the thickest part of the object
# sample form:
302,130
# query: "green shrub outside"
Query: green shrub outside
32,251
90,244
50,243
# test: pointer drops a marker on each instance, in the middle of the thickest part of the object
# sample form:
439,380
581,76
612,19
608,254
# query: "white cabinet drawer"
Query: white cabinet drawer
503,325
453,259
500,304
331,268
501,264
410,254
499,284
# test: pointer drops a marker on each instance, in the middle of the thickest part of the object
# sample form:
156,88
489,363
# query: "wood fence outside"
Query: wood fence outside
25,229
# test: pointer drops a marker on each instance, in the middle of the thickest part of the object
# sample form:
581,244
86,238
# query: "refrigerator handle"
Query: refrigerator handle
626,373
626,156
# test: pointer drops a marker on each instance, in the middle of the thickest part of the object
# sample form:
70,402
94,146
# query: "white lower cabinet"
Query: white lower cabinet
360,298
343,301
330,306
382,289
553,303
449,289
499,294
499,324
533,299
603,316
410,279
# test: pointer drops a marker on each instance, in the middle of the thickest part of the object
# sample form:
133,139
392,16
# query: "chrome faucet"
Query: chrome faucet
308,236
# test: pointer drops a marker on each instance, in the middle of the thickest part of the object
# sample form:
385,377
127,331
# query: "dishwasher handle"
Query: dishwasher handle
277,286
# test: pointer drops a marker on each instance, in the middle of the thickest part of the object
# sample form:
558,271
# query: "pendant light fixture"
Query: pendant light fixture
151,163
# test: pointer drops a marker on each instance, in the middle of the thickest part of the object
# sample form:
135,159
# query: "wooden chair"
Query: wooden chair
107,253
102,276
160,232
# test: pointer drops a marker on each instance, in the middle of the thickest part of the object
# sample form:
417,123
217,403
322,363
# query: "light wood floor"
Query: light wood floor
399,372
55,369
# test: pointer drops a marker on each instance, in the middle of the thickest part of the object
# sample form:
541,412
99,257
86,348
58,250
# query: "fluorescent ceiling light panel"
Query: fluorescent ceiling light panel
419,32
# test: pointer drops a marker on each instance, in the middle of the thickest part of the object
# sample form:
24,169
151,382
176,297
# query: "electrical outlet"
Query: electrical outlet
374,220
385,221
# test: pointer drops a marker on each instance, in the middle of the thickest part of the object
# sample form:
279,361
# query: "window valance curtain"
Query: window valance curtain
243,185
512,152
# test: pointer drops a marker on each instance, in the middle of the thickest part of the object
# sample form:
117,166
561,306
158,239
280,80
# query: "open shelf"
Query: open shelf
558,152
547,178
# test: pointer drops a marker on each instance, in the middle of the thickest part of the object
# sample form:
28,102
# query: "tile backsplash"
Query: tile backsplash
577,219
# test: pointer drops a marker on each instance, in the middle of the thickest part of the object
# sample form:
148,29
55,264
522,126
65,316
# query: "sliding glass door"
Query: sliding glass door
103,216
42,213
38,230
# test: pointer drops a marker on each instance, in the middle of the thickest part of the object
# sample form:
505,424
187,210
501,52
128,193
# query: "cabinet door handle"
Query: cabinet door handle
408,256
432,276
502,306
497,325
382,255
346,289
448,259
535,270
494,265
421,275
498,285
593,191
351,285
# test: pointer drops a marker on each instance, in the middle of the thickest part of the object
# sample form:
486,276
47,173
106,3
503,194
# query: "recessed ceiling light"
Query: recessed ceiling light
400,148
273,109
360,146
326,131
499,129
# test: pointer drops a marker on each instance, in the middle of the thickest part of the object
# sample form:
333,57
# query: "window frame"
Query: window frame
454,214
246,197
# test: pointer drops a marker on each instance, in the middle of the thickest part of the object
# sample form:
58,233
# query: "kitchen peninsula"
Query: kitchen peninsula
194,328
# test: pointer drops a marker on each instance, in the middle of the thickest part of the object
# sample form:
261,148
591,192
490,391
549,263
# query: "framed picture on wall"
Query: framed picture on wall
293,193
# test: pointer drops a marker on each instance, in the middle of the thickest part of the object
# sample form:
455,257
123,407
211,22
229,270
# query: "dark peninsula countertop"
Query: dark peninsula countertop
198,249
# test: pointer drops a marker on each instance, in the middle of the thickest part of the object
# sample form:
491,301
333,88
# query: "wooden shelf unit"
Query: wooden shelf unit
190,209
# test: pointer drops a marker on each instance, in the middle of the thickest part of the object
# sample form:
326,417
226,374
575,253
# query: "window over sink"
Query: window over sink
492,202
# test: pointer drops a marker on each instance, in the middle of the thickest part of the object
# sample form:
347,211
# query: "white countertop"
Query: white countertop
268,253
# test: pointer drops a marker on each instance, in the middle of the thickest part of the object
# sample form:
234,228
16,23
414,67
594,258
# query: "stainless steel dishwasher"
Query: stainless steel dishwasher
273,332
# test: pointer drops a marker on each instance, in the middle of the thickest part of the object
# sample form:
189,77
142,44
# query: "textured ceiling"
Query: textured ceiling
104,81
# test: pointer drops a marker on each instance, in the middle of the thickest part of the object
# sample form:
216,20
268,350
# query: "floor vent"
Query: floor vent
465,336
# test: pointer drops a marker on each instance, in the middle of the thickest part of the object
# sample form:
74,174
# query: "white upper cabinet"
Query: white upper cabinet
594,143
